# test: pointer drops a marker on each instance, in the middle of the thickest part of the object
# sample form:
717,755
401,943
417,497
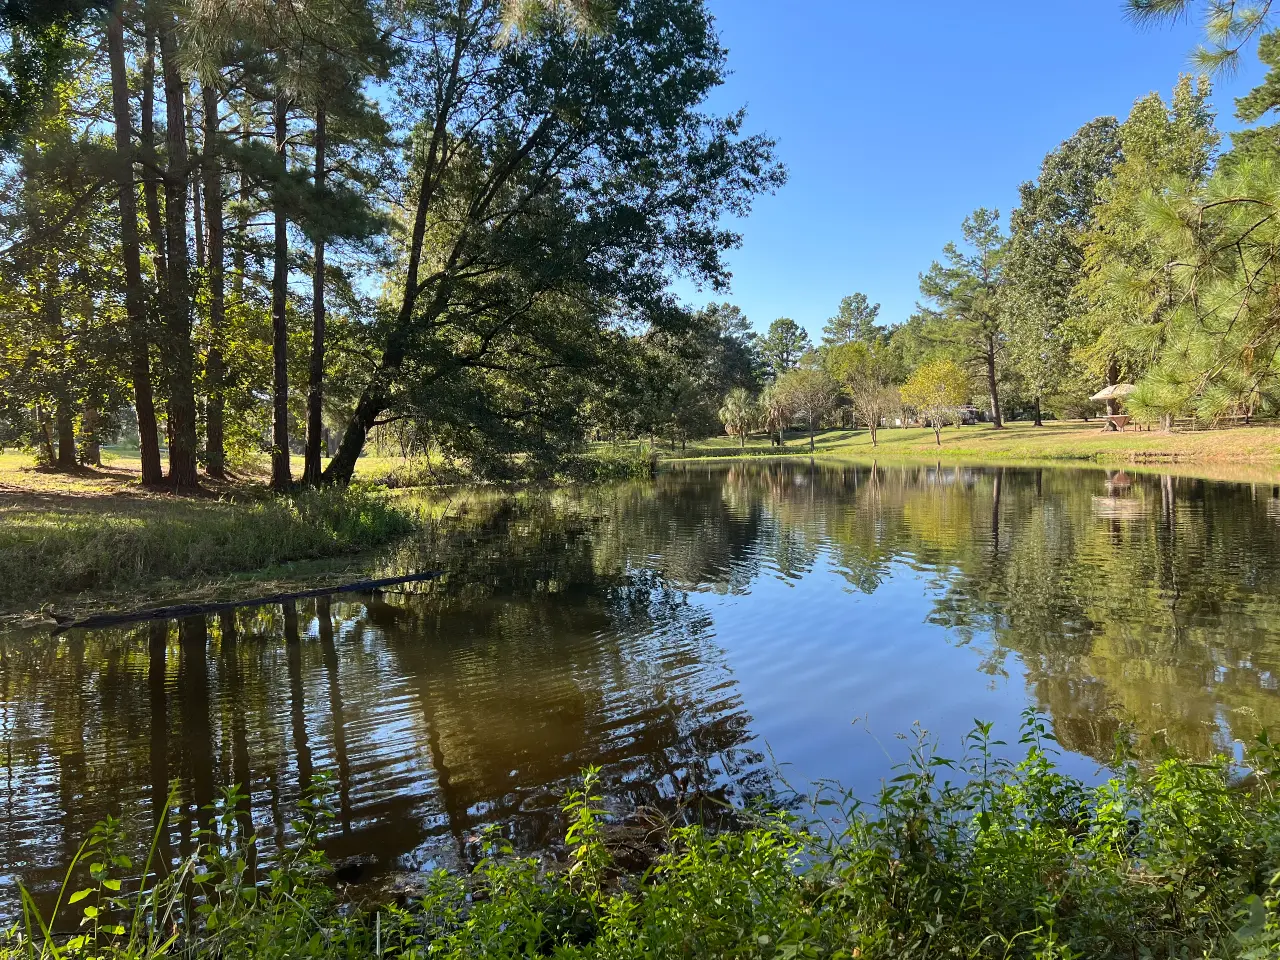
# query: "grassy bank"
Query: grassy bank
1018,443
96,531
1018,862
49,546
62,534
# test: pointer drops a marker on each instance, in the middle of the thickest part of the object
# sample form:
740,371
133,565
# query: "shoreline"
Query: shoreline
1239,454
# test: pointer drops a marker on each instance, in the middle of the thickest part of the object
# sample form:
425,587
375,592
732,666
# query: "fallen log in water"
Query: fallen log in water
181,610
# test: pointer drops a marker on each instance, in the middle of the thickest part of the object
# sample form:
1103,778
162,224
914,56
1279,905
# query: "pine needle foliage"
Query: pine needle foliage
1221,333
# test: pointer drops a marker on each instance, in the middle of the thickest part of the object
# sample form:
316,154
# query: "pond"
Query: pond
726,629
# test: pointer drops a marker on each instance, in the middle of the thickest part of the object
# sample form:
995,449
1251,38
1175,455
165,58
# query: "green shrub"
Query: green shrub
979,857
601,466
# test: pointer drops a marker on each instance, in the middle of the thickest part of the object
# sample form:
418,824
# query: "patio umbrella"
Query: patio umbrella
1117,391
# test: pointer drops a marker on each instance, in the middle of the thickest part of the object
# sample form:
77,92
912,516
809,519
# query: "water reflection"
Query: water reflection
672,633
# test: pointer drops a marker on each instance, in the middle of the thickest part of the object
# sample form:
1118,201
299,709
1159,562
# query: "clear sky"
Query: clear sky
896,120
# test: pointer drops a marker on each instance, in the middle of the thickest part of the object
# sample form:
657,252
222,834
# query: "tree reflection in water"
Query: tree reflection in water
580,628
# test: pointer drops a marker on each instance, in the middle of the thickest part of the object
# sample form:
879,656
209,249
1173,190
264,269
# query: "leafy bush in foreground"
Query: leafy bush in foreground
1008,860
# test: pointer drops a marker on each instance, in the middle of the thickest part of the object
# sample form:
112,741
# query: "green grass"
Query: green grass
57,544
1018,442
976,857
98,531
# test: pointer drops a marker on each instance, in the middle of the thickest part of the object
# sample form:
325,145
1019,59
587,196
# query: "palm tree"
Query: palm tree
739,414
775,411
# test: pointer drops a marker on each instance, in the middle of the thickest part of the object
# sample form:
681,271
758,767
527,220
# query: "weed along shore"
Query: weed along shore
1016,860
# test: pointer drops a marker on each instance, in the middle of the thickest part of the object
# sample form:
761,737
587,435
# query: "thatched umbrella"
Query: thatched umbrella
1113,395
1117,391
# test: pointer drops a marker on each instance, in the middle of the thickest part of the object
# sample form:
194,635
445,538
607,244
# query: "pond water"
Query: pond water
723,628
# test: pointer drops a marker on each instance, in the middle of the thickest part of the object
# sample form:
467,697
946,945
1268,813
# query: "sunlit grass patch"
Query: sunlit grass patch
57,545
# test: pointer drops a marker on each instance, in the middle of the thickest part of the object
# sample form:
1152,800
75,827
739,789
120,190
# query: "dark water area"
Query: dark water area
721,628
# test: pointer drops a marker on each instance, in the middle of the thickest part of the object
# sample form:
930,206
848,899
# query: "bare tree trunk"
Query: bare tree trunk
1039,414
66,435
215,368
1113,406
90,449
996,420
281,474
315,382
343,465
937,435
197,207
131,256
151,174
181,361
47,454
811,433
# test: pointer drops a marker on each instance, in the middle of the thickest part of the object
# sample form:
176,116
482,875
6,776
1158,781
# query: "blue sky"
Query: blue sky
897,120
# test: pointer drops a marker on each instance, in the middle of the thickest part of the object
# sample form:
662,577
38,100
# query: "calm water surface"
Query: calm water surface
721,628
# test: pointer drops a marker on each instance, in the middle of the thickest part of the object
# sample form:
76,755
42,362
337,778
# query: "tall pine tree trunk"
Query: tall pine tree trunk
134,295
996,420
197,205
151,173
66,434
315,382
181,357
281,475
215,368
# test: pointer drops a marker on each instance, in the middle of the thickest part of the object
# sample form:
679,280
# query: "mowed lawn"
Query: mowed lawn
1018,442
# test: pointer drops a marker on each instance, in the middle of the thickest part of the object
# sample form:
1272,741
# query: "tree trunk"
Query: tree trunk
47,455
90,449
197,207
150,162
281,474
134,294
937,435
811,434
215,367
1039,414
1113,377
996,420
181,361
873,428
343,465
66,435
315,383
